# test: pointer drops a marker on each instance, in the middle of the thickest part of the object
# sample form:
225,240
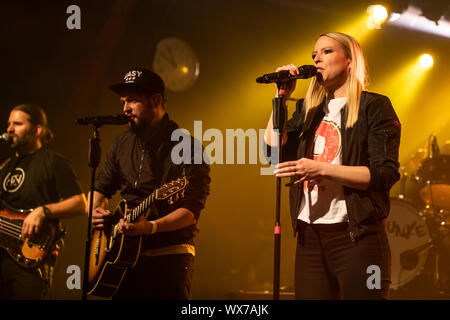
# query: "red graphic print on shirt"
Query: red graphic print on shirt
325,147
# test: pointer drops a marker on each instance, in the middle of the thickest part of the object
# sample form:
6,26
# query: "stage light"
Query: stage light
403,84
394,16
426,60
184,69
379,13
420,19
377,16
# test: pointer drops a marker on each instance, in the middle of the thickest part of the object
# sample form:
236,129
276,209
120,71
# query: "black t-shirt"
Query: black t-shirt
37,179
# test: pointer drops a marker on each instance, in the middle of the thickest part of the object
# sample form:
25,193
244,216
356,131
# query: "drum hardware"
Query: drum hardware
434,173
409,259
409,240
418,226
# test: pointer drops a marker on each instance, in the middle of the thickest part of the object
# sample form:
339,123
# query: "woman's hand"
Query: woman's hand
304,168
289,85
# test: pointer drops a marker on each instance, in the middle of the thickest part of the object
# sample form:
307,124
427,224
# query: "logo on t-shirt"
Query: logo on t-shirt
327,142
14,180
324,148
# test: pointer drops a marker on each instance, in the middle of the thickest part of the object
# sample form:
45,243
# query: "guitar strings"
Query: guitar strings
16,235
136,212
10,224
9,232
12,230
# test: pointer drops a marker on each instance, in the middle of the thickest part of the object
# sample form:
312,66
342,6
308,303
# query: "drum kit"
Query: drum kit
418,226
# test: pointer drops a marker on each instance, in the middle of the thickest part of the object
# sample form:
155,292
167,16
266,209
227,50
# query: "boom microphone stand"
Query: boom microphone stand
279,123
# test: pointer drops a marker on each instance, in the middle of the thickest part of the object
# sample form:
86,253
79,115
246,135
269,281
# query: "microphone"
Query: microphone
118,119
306,71
5,137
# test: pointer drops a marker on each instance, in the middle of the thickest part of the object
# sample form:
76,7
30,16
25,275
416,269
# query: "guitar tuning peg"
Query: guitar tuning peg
176,196
170,200
182,193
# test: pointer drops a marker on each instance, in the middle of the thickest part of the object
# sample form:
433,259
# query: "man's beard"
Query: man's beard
134,127
20,143
14,145
140,125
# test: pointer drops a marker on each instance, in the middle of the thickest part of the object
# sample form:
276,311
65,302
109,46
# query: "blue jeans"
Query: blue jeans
329,265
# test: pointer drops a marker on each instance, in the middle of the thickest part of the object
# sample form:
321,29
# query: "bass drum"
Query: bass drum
409,238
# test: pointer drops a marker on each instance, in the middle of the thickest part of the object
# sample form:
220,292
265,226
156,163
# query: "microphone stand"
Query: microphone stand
94,159
279,123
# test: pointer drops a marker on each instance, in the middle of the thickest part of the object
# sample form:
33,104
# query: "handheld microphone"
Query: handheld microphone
118,119
5,137
306,71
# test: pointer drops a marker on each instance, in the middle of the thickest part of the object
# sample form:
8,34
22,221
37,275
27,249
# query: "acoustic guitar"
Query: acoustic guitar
113,253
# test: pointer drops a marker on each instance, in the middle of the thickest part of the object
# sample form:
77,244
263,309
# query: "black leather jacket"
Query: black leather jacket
373,142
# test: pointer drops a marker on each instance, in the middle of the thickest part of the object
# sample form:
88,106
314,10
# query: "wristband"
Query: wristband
154,226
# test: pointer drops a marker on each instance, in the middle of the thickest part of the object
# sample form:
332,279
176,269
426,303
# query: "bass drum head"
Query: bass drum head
407,231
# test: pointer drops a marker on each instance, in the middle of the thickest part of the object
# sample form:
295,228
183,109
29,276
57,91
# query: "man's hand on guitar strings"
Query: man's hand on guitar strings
32,223
139,227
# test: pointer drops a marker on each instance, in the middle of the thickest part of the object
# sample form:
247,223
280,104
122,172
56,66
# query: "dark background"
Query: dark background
67,72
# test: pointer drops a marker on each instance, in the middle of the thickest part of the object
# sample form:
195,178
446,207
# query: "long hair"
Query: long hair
37,116
357,80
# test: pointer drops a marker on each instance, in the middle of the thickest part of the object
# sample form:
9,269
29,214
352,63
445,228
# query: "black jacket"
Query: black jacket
373,142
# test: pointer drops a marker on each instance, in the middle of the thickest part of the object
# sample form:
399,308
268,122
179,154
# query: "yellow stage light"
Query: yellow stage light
379,13
377,16
426,60
184,69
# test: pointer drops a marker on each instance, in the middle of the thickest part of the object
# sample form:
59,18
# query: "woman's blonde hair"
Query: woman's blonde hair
357,80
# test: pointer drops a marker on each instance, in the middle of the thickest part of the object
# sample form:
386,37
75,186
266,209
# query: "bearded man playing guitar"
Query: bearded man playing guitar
137,164
40,182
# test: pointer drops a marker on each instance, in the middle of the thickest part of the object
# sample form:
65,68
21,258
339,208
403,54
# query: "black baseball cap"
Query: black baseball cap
142,79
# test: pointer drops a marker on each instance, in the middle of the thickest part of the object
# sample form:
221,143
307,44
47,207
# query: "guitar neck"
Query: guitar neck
172,191
142,207
137,212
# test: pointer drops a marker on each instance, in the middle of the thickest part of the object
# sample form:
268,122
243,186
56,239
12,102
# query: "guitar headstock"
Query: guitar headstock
172,190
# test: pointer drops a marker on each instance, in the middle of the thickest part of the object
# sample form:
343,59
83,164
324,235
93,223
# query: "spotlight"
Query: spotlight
377,16
394,17
184,69
379,13
426,60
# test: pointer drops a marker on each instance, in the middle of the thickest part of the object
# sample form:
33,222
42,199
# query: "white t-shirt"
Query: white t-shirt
323,200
